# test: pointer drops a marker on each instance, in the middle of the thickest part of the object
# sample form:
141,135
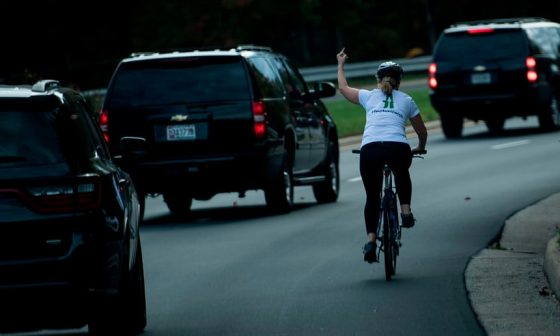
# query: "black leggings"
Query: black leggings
373,157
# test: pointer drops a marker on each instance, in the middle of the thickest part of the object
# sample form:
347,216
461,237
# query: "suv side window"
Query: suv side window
267,79
96,136
286,80
555,36
541,37
297,81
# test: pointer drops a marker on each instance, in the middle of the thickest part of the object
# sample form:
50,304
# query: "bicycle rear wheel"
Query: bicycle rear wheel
389,258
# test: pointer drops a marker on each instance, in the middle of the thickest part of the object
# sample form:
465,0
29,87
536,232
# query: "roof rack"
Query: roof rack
242,47
45,85
504,20
142,53
176,50
252,47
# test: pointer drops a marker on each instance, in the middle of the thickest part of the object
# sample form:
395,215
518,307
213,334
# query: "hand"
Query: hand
341,57
418,150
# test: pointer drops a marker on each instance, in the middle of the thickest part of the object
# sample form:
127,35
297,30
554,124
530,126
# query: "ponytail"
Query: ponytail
386,85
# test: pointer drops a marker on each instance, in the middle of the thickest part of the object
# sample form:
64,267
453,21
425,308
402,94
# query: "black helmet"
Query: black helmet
391,69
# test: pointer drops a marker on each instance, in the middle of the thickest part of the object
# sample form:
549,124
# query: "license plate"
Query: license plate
481,78
181,132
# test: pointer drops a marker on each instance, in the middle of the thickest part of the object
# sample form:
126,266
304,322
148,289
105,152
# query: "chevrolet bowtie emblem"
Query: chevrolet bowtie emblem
179,117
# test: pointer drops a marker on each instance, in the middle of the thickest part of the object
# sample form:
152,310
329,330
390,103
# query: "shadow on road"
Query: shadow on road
508,133
220,215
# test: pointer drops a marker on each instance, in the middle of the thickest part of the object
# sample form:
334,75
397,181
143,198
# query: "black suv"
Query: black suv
189,125
70,250
496,69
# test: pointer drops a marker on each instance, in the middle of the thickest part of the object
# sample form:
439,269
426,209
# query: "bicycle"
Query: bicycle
389,229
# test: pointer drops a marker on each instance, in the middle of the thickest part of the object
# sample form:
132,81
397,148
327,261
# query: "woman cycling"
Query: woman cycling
384,141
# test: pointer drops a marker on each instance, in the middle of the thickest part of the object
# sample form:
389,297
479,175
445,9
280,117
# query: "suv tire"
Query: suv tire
327,191
451,124
125,312
178,203
549,120
279,195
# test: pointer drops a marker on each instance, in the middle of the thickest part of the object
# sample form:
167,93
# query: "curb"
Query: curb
520,276
552,264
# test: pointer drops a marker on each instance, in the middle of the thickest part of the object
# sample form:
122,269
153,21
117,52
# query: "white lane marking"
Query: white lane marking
511,144
355,179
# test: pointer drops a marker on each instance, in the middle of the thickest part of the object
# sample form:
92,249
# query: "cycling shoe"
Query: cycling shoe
408,220
370,252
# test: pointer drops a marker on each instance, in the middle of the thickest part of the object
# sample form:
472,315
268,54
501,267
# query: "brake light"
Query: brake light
532,75
81,195
432,81
104,124
259,119
473,31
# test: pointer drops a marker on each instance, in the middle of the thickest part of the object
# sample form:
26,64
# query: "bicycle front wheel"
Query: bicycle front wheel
388,247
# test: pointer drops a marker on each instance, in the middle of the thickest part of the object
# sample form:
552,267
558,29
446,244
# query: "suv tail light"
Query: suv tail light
259,119
81,194
532,75
432,81
104,124
480,31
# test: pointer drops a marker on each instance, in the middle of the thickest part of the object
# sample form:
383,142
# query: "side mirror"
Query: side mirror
132,147
324,89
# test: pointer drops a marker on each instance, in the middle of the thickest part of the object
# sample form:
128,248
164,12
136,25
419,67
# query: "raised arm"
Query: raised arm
348,92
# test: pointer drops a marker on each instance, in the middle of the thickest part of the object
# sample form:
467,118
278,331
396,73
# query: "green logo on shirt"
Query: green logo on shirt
388,102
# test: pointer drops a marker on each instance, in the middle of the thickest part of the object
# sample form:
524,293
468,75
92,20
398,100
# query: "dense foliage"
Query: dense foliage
82,45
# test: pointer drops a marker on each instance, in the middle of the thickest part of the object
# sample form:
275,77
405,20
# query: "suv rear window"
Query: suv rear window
35,132
25,140
498,45
187,80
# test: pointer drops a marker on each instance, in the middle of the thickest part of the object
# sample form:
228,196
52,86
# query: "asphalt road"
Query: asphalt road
233,269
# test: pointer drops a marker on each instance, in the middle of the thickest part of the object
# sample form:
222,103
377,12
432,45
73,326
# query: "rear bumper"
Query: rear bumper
49,283
205,176
483,106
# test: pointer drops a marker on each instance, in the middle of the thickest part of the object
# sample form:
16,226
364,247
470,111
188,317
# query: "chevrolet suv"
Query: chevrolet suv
496,69
70,251
197,123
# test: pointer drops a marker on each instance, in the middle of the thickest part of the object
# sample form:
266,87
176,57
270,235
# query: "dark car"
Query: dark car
70,251
496,69
191,124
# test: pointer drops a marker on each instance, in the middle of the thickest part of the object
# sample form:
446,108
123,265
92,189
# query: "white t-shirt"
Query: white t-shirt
386,116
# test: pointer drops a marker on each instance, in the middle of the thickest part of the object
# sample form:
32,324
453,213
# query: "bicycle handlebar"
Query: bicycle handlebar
357,151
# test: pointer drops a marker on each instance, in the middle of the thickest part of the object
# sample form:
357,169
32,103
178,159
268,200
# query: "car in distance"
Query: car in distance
198,123
70,252
493,70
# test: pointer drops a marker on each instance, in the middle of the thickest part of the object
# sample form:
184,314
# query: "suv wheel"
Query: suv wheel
279,194
451,124
124,313
179,204
142,203
495,125
549,119
327,191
